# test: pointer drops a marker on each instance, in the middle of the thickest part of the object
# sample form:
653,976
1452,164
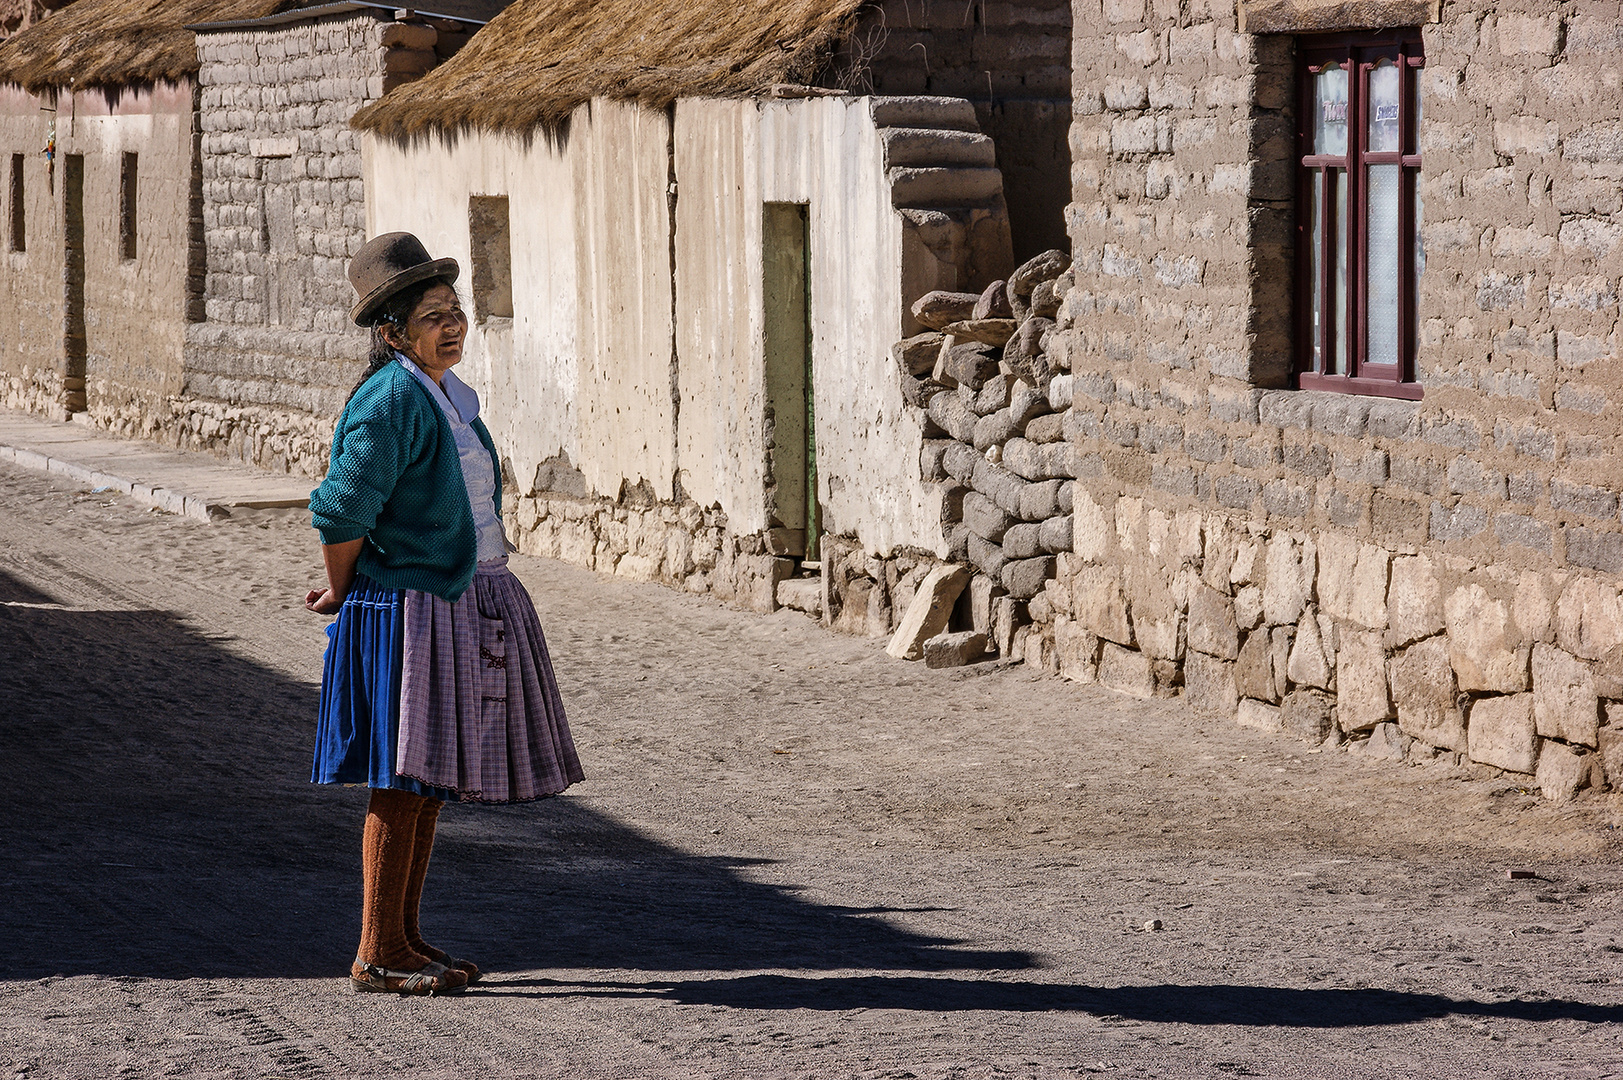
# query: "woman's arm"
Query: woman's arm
340,560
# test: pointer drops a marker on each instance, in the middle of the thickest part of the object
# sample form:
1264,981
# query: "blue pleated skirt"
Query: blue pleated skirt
358,728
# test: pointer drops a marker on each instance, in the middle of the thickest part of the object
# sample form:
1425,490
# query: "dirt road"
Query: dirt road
792,857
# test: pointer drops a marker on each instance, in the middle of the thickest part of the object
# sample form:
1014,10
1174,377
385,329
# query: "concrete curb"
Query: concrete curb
169,500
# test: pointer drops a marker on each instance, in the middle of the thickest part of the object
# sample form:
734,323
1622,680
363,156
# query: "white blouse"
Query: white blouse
460,405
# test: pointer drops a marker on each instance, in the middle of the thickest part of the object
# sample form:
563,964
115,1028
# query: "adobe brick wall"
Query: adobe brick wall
1012,60
271,361
1441,573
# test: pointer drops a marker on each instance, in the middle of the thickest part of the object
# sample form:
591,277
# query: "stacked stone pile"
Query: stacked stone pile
995,396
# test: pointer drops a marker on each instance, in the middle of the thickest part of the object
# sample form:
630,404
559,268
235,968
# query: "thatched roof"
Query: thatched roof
539,59
106,44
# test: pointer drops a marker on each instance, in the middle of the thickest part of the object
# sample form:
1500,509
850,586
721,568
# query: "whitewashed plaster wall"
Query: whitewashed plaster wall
585,366
732,156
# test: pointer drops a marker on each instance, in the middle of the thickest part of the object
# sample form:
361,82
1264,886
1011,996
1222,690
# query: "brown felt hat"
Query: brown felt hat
389,263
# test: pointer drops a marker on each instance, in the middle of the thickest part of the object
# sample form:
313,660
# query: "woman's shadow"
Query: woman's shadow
161,824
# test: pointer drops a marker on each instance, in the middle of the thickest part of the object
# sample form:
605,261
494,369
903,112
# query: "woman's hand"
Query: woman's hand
323,601
340,560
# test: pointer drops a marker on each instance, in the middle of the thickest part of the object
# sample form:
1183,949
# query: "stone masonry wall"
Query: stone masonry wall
1012,60
1432,577
272,353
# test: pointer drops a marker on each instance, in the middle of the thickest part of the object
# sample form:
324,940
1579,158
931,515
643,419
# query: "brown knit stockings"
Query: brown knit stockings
395,846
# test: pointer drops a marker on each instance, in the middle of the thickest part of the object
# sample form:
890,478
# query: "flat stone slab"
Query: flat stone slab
191,484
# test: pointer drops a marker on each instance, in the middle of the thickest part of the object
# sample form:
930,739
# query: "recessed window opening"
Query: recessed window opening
490,236
1358,214
17,206
127,183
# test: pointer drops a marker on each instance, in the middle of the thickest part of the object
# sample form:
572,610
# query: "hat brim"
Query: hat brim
363,312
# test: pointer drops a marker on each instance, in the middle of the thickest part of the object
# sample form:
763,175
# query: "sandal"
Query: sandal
467,967
431,979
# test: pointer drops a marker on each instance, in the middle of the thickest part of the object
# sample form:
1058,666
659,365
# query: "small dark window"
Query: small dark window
126,206
18,206
490,238
1358,214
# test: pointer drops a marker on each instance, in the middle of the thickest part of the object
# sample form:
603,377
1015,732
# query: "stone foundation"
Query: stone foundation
1410,654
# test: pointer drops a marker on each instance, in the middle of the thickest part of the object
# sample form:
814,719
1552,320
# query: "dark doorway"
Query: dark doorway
73,278
790,406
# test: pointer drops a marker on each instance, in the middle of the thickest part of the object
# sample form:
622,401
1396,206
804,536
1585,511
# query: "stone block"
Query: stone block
936,309
1306,714
1565,705
1040,501
1309,662
1352,581
1482,645
986,519
1126,671
1611,754
802,594
960,460
954,649
985,556
1564,771
1426,696
954,417
1413,600
1212,628
1362,697
1078,650
984,592
1025,578
1209,684
1099,604
1248,606
928,613
1092,531
1588,618
1254,668
1023,541
1385,743
969,364
1054,535
917,355
1288,583
997,483
993,395
1260,715
1500,733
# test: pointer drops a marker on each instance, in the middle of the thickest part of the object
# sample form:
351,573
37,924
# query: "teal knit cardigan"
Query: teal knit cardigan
395,479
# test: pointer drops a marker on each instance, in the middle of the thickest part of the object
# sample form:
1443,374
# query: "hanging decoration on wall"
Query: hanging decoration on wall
50,144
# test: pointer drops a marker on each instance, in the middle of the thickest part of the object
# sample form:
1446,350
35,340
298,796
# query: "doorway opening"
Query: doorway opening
791,414
73,278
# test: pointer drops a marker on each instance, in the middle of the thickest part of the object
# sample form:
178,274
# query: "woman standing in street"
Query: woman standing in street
437,685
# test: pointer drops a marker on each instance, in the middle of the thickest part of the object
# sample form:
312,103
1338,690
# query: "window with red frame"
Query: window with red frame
1359,258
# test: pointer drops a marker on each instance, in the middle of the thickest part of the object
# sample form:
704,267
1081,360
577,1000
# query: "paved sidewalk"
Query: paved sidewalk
188,483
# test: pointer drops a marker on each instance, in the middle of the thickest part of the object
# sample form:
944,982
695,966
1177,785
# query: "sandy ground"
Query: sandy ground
793,857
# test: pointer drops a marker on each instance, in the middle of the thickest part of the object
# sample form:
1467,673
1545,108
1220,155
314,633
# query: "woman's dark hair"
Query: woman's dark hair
393,312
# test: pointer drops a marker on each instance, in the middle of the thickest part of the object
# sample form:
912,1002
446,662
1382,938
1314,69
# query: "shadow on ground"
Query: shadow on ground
1255,1006
160,823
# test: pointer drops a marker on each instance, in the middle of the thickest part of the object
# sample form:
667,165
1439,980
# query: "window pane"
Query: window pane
1385,109
1338,360
1315,268
1330,111
1381,265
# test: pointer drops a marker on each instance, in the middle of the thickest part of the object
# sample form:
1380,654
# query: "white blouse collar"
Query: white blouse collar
450,391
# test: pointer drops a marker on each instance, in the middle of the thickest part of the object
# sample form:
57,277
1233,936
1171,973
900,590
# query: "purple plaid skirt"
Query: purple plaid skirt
416,687
480,713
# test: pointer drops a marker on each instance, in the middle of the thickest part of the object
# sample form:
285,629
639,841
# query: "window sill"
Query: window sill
1350,384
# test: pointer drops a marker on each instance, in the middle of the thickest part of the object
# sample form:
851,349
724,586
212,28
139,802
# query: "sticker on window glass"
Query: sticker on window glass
1330,114
1384,106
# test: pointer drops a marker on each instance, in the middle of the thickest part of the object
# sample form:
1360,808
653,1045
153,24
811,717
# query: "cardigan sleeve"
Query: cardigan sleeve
369,453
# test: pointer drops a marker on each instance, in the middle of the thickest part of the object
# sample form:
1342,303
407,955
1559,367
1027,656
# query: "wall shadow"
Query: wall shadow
1252,1006
160,823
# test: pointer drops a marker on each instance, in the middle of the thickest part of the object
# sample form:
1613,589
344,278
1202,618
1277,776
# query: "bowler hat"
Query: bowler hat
389,263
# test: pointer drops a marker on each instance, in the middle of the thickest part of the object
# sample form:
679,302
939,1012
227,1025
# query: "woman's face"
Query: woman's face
434,331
